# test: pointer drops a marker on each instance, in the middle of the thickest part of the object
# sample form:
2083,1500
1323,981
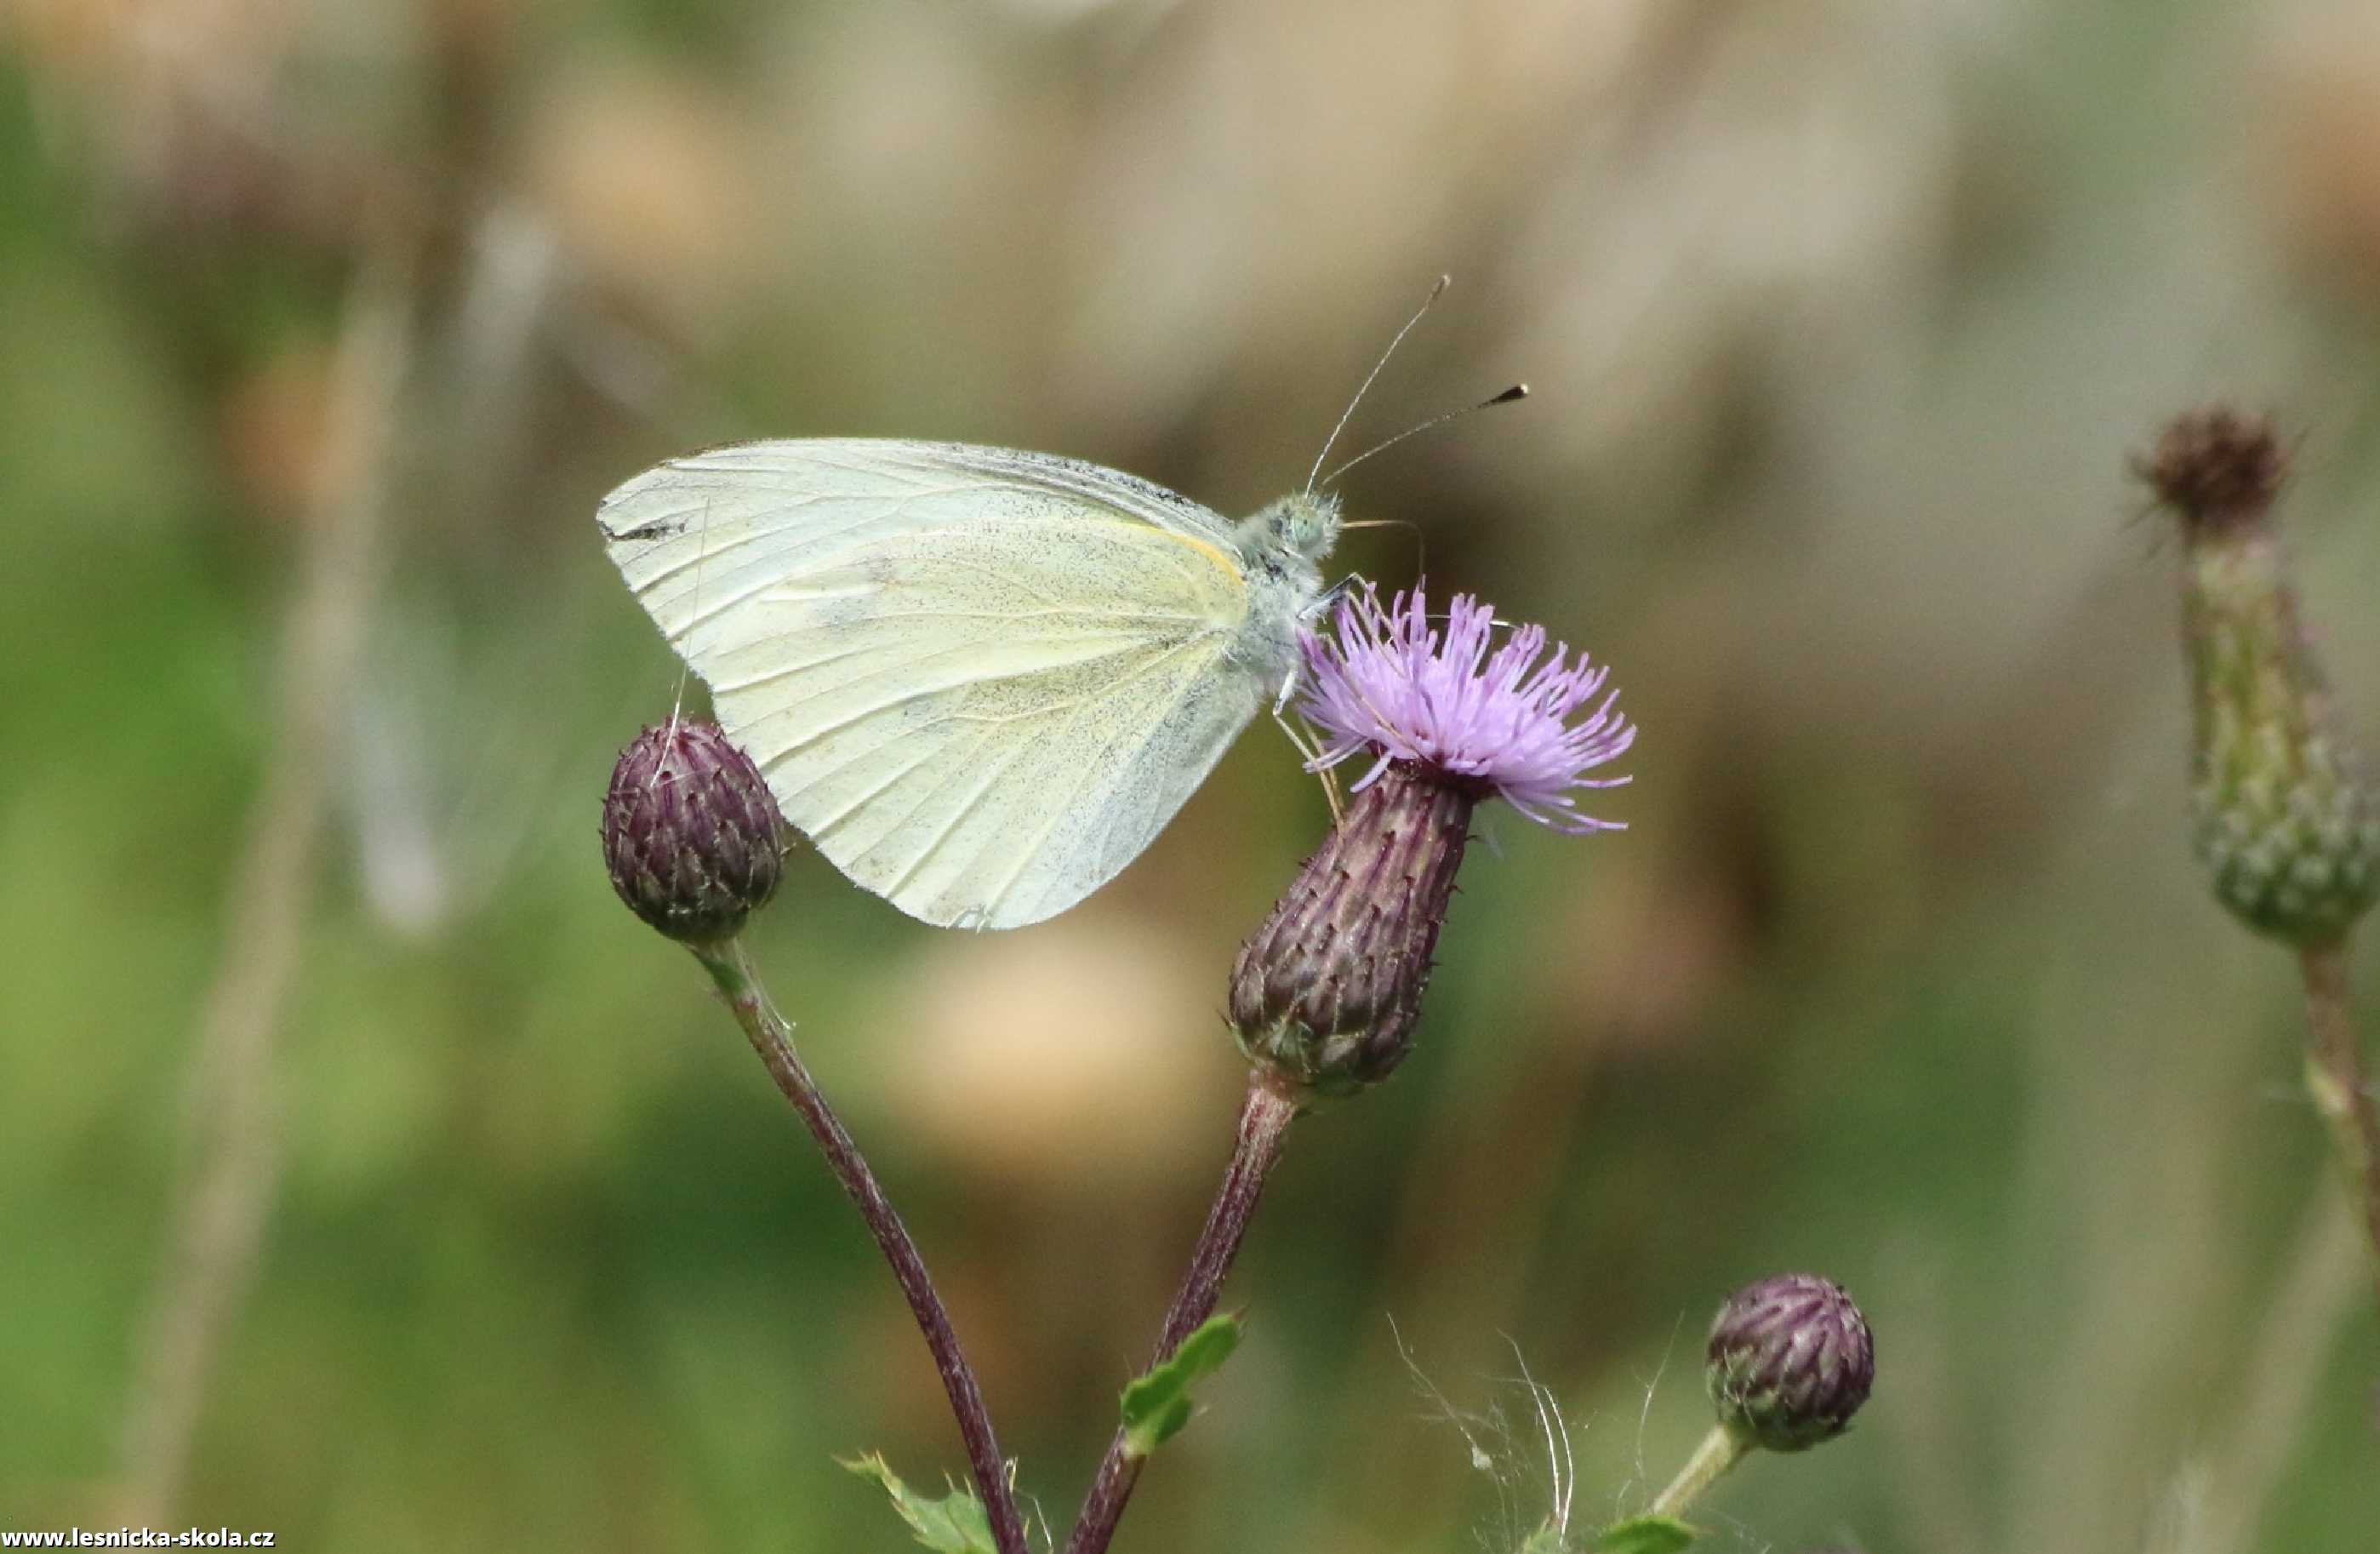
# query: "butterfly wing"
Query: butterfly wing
981,681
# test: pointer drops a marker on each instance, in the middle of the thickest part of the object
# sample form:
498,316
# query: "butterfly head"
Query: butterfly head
1306,525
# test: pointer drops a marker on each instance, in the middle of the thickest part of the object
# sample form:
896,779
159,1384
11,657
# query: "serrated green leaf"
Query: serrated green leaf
1158,1404
952,1524
1644,1535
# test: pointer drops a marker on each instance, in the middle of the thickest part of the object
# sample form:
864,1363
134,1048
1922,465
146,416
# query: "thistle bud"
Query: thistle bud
1791,1361
1326,994
690,832
2283,821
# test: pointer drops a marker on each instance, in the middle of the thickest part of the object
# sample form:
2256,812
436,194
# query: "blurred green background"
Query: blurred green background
324,324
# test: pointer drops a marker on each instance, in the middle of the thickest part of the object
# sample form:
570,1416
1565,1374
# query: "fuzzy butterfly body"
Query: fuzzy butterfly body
981,680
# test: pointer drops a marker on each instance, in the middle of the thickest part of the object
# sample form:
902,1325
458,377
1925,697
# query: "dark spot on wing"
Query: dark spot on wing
659,529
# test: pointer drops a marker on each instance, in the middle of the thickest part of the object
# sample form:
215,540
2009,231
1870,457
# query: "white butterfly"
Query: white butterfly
981,680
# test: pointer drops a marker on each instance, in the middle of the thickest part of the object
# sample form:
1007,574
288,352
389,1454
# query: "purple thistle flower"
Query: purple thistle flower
1462,710
1325,994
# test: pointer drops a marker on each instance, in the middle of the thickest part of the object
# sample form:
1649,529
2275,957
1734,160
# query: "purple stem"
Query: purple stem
772,1038
1264,1121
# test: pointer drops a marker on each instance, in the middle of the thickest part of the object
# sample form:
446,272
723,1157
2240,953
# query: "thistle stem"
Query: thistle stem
1719,1450
1264,1124
2336,1078
772,1038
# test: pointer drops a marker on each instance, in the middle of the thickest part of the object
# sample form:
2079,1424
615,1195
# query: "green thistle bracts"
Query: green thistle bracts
2285,822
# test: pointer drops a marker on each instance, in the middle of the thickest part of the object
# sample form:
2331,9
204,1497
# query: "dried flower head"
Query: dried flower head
2285,819
2216,467
690,833
1791,1361
1325,995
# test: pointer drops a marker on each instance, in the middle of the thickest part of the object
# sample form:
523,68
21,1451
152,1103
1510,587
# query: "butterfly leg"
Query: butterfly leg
1330,775
1308,749
1328,600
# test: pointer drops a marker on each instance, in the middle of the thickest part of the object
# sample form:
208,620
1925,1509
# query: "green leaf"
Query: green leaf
1158,1404
953,1525
1644,1535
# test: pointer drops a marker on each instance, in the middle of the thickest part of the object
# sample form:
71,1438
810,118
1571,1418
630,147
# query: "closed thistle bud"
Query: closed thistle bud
2283,818
1327,991
1791,1361
1325,994
690,832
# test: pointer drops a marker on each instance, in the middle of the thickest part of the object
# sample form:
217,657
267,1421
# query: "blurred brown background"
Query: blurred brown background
324,324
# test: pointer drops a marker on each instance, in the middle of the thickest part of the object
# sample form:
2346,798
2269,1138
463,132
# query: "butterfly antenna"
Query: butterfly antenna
1435,293
1517,391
